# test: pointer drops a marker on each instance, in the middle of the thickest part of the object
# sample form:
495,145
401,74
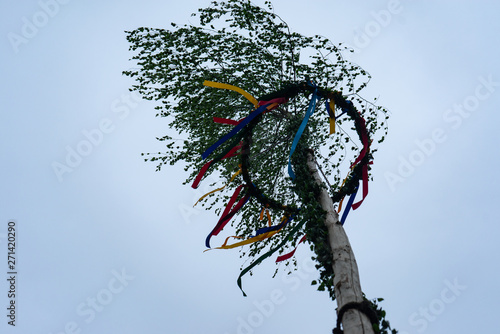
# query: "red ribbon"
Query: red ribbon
365,187
289,255
278,100
228,213
203,170
364,139
225,219
226,121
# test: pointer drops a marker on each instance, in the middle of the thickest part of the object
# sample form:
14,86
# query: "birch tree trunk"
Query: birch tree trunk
346,280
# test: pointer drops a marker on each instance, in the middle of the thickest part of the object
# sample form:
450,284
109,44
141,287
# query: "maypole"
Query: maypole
291,138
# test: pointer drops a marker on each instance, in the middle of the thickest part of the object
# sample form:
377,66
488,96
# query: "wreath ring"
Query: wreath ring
359,167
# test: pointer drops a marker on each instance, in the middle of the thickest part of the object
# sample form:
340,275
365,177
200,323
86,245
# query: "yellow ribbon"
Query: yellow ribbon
225,242
218,189
340,205
260,237
262,214
343,182
332,119
233,88
268,216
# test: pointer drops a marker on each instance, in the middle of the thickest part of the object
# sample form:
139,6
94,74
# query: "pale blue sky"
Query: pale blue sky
110,246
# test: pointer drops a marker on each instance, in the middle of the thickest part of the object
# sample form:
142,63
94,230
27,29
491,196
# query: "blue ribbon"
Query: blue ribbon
273,228
310,111
235,130
328,110
348,206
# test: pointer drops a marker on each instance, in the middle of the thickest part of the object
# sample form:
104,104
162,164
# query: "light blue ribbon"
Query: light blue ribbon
310,111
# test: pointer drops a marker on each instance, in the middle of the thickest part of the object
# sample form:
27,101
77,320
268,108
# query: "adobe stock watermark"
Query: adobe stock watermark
454,118
265,308
31,25
421,319
94,137
373,28
87,310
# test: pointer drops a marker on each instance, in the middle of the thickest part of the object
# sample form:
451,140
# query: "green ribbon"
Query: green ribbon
269,253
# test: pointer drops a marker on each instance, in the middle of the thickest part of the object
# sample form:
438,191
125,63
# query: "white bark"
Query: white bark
346,281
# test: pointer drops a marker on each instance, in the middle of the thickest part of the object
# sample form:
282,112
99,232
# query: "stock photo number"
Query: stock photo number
11,272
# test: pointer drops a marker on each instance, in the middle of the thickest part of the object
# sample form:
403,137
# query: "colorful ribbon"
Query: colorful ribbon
249,97
289,255
230,152
261,234
348,206
365,187
235,130
330,108
251,240
219,189
226,121
278,100
310,111
364,140
366,145
268,215
269,253
285,220
228,213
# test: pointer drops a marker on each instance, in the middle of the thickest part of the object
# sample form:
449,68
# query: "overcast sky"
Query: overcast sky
107,245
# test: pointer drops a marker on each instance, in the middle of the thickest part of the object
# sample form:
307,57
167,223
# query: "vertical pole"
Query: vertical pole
346,280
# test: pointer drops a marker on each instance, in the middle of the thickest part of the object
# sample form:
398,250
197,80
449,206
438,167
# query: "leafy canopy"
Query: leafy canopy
238,43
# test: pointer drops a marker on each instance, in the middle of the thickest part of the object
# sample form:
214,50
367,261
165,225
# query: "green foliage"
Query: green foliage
238,43
383,326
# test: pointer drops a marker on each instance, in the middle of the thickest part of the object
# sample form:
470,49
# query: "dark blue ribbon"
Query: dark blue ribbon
331,112
273,228
349,205
235,130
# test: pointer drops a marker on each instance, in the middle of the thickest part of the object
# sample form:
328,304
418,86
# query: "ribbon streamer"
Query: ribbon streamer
259,237
330,107
268,215
249,97
235,130
289,255
226,215
278,100
237,207
310,111
219,189
365,187
228,153
266,255
226,121
364,139
285,220
340,205
262,234
348,206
